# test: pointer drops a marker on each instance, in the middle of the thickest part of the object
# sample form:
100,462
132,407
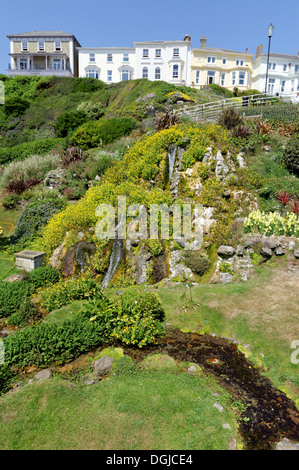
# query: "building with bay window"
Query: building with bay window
43,53
226,68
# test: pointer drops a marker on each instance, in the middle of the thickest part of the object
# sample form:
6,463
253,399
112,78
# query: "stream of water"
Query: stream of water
270,415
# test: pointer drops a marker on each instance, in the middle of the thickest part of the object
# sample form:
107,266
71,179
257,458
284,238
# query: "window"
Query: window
176,52
239,62
224,61
211,77
211,60
92,74
57,64
242,76
24,46
271,86
125,75
272,66
282,86
197,77
57,46
109,75
41,46
284,67
222,79
109,57
145,53
92,57
145,72
296,68
126,57
23,64
292,85
157,73
175,71
158,53
233,78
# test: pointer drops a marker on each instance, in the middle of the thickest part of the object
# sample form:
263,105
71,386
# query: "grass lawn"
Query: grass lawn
143,410
8,220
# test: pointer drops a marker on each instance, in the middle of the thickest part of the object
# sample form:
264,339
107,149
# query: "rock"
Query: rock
226,251
271,242
296,253
43,374
225,426
226,194
266,252
15,277
279,251
69,266
103,365
241,160
54,178
232,444
291,245
285,444
240,250
84,252
225,278
218,406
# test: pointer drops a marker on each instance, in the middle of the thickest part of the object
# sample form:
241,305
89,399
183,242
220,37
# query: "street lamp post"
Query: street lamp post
270,32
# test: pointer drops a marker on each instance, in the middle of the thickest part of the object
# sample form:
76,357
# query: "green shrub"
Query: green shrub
291,155
12,295
10,201
66,290
43,276
134,318
91,109
95,134
68,121
230,118
22,151
26,311
6,378
197,261
15,106
36,215
48,343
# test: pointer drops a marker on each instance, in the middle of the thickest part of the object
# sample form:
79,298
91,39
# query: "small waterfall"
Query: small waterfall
171,159
113,262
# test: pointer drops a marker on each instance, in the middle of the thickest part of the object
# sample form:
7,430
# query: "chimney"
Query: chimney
203,42
187,38
246,50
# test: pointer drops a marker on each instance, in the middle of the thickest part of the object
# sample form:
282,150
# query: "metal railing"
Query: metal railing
214,108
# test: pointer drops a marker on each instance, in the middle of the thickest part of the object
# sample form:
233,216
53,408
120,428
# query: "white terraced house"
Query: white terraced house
283,74
109,64
43,53
154,60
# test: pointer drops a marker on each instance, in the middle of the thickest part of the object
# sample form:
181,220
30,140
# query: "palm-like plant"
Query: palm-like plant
294,204
284,198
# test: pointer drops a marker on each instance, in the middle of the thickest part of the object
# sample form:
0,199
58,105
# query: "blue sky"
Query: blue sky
227,24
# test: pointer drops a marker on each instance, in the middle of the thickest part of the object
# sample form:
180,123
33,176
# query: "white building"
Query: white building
154,60
164,60
109,64
283,73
